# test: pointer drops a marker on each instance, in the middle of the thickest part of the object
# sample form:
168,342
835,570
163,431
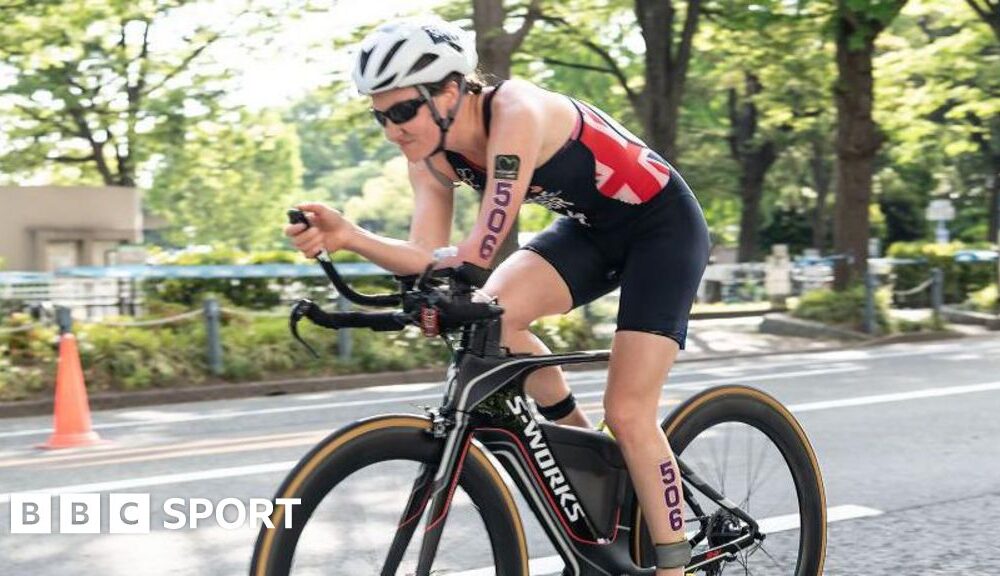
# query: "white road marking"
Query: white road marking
898,397
701,384
581,378
554,564
279,466
168,479
167,417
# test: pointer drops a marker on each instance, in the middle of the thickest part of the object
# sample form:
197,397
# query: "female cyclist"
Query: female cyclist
628,220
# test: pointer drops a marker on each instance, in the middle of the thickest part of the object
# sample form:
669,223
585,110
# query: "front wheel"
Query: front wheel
749,448
362,491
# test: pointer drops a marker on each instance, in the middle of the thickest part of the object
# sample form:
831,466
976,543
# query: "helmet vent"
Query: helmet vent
363,63
388,57
424,61
384,83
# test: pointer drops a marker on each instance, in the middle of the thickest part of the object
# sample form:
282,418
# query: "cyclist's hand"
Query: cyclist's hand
328,229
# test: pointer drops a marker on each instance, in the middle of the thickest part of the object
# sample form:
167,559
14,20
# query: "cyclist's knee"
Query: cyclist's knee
516,319
629,421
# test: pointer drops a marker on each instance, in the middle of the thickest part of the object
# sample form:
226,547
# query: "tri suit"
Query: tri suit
628,220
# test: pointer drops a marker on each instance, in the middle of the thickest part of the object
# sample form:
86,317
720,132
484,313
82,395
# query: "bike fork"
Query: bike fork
410,519
432,490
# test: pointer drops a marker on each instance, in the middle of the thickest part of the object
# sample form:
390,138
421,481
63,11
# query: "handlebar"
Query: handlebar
296,216
425,303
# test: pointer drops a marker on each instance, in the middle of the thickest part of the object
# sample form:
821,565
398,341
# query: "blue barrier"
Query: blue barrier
142,272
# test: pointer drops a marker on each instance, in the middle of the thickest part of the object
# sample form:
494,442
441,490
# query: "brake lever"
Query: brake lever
422,282
299,311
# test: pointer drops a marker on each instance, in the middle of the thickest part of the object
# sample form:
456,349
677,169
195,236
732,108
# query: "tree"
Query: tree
856,25
496,46
775,103
668,35
940,67
988,138
989,12
94,89
755,156
230,183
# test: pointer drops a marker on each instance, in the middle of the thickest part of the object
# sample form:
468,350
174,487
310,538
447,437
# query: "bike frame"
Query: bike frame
485,402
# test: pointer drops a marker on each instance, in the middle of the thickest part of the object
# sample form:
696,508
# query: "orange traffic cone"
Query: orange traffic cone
72,409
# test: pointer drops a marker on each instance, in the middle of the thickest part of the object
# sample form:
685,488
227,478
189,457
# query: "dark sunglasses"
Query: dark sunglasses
399,112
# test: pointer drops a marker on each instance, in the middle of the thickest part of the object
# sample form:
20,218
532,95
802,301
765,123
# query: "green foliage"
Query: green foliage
567,332
939,63
986,300
788,226
133,359
254,348
229,183
960,278
27,358
904,217
92,98
845,309
255,293
386,202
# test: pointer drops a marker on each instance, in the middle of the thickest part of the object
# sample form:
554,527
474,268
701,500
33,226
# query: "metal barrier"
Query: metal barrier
935,283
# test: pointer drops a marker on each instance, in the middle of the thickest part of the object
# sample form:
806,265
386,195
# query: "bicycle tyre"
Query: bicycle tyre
746,405
377,440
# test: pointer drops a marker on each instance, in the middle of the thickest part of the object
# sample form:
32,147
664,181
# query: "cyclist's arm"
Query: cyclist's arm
518,125
429,229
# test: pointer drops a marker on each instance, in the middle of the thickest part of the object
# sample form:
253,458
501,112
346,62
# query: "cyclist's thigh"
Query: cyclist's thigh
551,274
663,269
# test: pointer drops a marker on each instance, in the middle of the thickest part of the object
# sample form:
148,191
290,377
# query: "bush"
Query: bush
27,358
567,333
844,309
960,279
254,293
254,347
986,300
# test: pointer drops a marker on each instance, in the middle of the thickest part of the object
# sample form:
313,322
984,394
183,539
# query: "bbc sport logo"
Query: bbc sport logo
32,513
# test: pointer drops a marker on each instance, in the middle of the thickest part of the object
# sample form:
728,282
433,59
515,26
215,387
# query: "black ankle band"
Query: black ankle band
559,410
676,555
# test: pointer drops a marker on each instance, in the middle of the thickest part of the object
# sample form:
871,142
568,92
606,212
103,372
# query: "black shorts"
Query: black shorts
658,261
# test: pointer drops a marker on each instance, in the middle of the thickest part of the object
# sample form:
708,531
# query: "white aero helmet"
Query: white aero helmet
413,52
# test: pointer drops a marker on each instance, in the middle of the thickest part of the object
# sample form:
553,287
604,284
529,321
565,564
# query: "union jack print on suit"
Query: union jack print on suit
625,168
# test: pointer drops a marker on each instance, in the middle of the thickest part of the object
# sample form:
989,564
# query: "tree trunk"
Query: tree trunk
858,140
752,188
666,63
495,46
820,168
993,188
496,49
755,159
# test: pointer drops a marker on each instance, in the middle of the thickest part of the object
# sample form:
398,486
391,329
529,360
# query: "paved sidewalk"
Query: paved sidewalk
731,336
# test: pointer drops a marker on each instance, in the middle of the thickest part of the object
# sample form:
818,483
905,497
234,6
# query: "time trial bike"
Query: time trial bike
752,486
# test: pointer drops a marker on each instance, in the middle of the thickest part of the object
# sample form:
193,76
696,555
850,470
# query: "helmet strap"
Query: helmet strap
444,124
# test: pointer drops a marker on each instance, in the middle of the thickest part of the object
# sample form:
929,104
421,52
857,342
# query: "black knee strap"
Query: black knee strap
676,555
559,410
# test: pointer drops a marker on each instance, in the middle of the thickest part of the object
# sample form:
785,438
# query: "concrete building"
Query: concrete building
47,227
